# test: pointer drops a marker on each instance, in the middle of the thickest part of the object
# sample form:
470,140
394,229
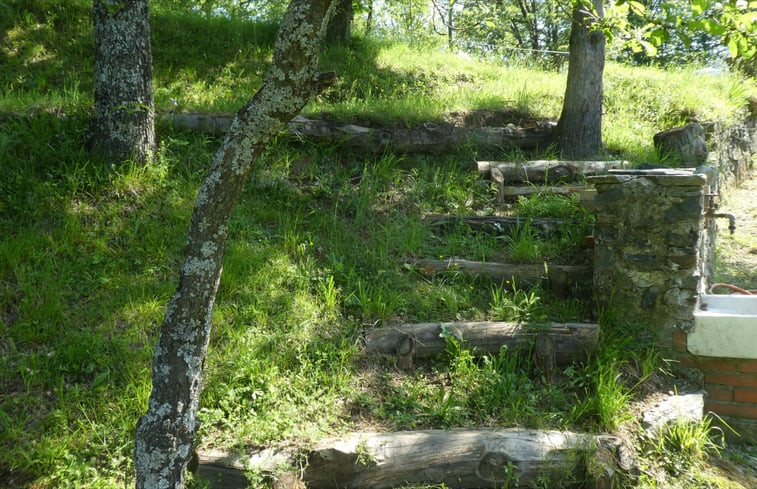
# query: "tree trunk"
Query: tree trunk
458,458
124,117
340,27
580,127
165,434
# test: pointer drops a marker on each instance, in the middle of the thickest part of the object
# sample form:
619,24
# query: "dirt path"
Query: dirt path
736,255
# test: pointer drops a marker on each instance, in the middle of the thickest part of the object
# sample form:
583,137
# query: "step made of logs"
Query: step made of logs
504,225
544,171
567,342
458,458
562,280
430,137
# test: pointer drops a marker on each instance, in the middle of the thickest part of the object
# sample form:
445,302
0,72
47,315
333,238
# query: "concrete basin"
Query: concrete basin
725,326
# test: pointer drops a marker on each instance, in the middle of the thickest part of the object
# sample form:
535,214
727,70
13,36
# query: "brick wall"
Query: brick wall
731,383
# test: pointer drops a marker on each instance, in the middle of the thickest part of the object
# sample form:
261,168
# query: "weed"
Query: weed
516,304
682,445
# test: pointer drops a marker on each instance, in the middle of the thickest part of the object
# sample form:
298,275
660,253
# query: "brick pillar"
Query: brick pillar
651,259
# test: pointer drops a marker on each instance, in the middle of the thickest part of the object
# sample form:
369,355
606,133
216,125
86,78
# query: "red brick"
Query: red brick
685,360
724,365
679,341
735,379
719,393
744,395
736,410
748,366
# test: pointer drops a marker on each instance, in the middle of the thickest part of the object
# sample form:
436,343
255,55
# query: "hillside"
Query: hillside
318,253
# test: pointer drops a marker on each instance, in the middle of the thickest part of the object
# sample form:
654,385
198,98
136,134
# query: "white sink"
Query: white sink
725,326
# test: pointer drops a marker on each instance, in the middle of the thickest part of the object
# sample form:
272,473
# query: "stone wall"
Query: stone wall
733,148
651,247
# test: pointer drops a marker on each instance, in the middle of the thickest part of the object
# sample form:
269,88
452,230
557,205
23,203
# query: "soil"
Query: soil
736,258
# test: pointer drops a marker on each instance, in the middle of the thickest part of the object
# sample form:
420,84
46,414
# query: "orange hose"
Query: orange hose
734,288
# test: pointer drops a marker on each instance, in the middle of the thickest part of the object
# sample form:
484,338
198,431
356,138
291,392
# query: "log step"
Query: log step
567,342
458,458
545,226
561,280
544,171
429,138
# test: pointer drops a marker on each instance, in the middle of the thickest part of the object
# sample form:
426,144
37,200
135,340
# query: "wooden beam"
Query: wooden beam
545,171
430,137
560,279
503,225
458,459
569,342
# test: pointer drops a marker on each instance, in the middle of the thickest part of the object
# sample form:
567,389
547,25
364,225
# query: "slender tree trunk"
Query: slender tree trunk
124,119
340,27
369,18
165,434
580,127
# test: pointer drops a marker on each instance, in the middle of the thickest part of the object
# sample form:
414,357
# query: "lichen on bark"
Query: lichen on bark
123,125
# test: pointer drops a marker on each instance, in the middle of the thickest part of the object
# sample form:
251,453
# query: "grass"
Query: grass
90,252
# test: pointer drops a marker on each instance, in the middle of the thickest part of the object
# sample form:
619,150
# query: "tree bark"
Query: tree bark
459,458
579,130
340,26
124,114
572,341
165,434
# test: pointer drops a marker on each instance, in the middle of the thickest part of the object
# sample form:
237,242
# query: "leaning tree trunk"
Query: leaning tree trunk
579,131
340,26
166,432
124,119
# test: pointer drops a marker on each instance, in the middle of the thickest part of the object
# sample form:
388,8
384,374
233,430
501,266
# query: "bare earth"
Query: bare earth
736,257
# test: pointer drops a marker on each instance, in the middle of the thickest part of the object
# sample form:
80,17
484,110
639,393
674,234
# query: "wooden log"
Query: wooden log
430,137
460,459
560,279
509,193
566,342
545,226
546,171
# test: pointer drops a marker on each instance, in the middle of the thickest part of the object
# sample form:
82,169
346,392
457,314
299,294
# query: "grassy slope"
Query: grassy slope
89,252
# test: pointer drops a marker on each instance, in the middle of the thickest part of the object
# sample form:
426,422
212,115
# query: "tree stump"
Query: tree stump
685,143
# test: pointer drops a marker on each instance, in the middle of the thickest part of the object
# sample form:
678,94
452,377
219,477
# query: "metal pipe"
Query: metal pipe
731,219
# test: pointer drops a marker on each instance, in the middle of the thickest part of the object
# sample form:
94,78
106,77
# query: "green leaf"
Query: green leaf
699,6
658,36
100,378
733,48
711,26
637,7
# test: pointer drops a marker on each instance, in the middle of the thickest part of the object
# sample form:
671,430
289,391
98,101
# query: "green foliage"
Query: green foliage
682,445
